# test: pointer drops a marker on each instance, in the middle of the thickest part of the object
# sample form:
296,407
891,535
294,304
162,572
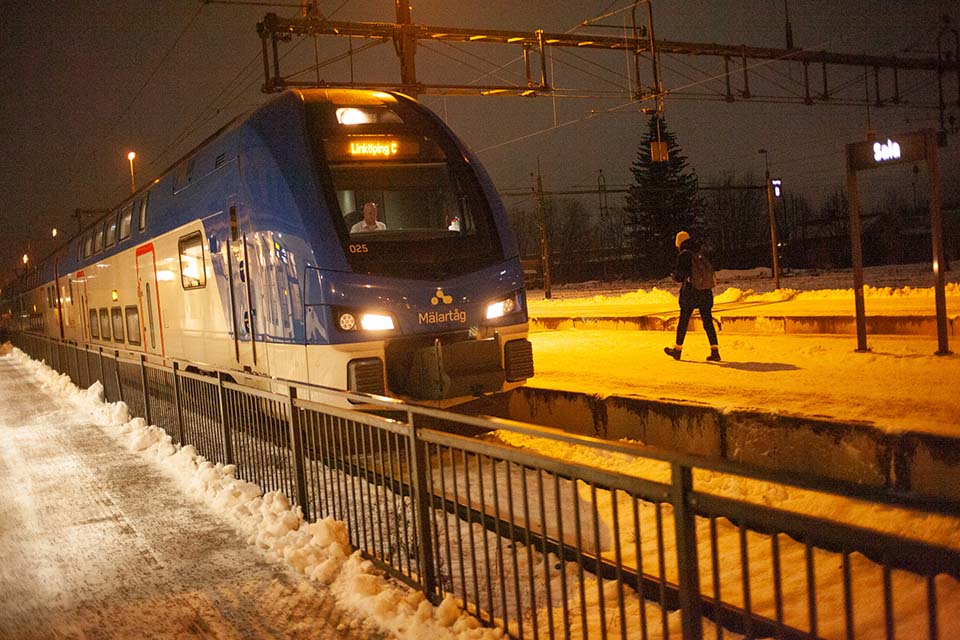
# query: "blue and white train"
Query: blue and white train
241,256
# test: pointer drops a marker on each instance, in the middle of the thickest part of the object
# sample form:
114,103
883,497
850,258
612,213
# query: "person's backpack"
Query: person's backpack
702,276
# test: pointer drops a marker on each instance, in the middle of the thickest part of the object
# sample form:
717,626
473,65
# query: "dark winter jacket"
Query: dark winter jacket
689,297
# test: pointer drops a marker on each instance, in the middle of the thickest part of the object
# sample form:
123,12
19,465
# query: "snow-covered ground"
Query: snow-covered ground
321,550
86,571
900,385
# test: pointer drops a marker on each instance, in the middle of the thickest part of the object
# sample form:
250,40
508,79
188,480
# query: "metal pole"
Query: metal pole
176,401
856,252
936,235
408,48
296,449
773,231
224,423
544,239
423,506
688,576
146,394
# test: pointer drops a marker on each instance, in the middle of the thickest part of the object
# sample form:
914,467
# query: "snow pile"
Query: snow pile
730,294
319,550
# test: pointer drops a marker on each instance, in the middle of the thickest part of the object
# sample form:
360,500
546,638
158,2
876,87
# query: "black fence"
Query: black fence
549,535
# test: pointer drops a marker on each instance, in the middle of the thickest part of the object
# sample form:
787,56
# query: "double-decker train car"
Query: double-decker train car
246,255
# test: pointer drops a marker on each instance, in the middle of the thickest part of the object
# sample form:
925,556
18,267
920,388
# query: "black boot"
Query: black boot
673,353
714,355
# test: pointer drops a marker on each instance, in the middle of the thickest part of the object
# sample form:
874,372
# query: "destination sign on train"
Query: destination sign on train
372,148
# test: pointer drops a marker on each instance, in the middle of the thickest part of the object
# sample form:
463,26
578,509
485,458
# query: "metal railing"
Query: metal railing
570,538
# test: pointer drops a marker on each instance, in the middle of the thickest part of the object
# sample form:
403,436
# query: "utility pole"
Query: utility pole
406,45
544,239
788,29
773,222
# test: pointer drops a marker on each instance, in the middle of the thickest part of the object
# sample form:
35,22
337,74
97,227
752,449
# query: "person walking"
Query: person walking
695,273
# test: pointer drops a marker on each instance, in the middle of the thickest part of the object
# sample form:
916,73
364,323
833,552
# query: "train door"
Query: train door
149,300
242,309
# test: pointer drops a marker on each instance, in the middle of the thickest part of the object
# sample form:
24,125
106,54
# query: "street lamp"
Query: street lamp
54,232
133,183
773,220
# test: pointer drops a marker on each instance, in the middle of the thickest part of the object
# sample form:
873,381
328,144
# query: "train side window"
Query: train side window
116,317
94,324
132,315
88,245
104,324
98,239
192,272
111,226
143,211
126,219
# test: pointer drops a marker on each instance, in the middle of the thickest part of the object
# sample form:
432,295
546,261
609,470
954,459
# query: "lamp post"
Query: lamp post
773,220
133,183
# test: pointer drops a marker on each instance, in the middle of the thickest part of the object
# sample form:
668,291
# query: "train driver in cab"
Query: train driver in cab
369,222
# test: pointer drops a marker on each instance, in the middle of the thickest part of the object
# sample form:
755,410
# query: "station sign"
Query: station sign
888,150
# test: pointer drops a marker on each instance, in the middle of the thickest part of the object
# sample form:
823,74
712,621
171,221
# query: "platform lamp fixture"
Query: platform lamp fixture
133,182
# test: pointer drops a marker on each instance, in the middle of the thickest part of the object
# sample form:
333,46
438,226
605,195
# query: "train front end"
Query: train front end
423,297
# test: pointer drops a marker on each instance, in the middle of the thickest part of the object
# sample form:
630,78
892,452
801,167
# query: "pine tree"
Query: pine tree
662,200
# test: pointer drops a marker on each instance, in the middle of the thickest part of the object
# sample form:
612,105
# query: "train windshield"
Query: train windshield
406,201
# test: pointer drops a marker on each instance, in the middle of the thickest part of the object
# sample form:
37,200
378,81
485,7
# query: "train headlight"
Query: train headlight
502,308
376,322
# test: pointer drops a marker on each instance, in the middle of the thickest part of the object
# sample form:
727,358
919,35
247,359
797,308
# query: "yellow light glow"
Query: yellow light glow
114,295
378,148
131,156
350,116
376,322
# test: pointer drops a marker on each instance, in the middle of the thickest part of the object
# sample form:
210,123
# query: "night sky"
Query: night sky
85,82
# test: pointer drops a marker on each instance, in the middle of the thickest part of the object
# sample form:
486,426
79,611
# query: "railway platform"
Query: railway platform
97,542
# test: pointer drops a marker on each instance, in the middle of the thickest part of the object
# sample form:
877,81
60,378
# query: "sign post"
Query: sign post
917,146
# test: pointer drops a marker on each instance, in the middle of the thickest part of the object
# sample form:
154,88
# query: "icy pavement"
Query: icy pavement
97,542
900,385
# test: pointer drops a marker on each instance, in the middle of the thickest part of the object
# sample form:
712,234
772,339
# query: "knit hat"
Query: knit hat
682,237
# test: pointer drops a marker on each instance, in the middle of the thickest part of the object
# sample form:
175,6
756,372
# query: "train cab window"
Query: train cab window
192,272
94,324
88,245
132,315
143,211
116,317
104,324
438,220
98,239
126,219
111,228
